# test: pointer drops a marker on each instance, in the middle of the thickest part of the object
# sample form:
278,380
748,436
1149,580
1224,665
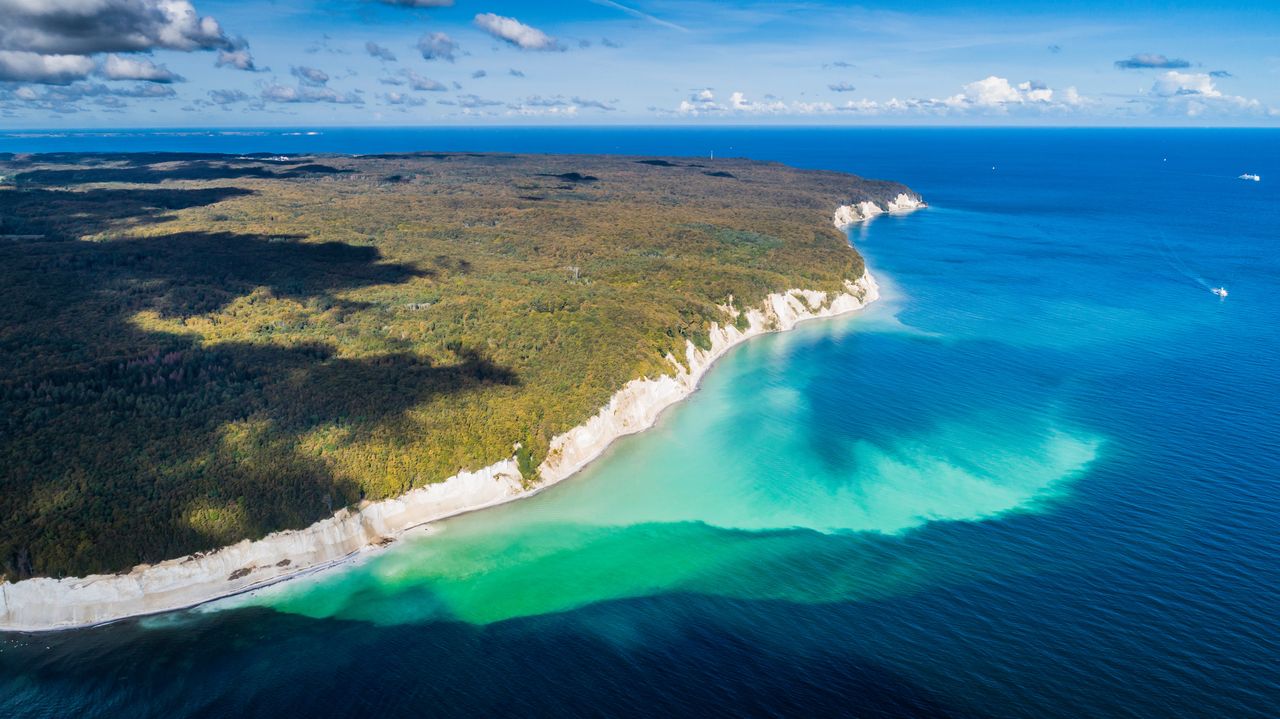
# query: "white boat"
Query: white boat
1219,291
1247,176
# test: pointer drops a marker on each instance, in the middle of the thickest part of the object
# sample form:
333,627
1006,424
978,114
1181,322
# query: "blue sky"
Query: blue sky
174,63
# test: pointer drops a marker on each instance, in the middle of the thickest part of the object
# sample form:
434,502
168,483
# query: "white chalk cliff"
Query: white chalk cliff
45,603
847,215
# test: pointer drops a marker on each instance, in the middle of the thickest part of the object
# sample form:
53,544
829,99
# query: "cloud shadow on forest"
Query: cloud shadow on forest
112,432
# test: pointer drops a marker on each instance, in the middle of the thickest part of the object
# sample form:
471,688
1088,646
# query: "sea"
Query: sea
1039,478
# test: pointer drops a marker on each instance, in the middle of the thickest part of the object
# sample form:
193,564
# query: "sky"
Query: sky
324,63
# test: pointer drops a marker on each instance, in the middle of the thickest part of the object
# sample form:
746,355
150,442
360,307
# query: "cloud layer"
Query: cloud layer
54,69
992,95
380,52
759,62
514,32
86,27
1195,94
127,68
57,42
437,46
1148,60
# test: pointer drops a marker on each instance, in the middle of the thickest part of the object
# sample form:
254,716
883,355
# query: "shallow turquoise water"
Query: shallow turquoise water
1038,479
727,495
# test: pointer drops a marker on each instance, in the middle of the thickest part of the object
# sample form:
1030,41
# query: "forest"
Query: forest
196,349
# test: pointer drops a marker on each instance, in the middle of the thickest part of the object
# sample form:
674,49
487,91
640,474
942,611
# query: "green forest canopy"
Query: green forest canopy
201,348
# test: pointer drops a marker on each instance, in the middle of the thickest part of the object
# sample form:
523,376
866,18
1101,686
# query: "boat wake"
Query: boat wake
1171,257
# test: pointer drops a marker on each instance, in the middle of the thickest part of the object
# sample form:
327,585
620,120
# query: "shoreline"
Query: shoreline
47,604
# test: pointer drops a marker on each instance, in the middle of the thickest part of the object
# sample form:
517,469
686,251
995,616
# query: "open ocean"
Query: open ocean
1040,478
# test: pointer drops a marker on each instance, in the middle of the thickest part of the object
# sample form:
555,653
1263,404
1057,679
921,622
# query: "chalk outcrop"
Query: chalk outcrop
847,215
44,604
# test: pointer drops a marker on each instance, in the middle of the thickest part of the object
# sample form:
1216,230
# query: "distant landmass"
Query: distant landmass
199,349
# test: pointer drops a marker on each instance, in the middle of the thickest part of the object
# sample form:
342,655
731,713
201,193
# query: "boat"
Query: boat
1247,176
1219,291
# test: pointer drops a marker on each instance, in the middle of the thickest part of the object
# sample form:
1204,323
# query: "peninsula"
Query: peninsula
221,371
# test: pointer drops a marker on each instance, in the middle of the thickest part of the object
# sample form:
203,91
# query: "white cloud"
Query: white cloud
992,95
1173,92
1148,60
143,89
54,41
739,103
999,94
400,98
237,56
595,104
124,68
866,107
1195,94
21,66
812,108
703,102
1174,83
437,46
379,51
300,94
227,97
516,33
79,96
418,82
471,104
524,110
558,104
238,59
312,76
85,27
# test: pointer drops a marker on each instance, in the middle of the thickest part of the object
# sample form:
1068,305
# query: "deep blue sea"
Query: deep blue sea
1040,478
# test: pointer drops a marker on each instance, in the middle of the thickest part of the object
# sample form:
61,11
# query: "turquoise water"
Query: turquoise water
750,482
1039,478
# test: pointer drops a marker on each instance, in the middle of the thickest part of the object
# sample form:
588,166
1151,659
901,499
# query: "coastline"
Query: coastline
44,604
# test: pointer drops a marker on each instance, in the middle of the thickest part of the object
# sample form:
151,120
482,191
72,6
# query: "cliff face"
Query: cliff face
847,215
42,604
